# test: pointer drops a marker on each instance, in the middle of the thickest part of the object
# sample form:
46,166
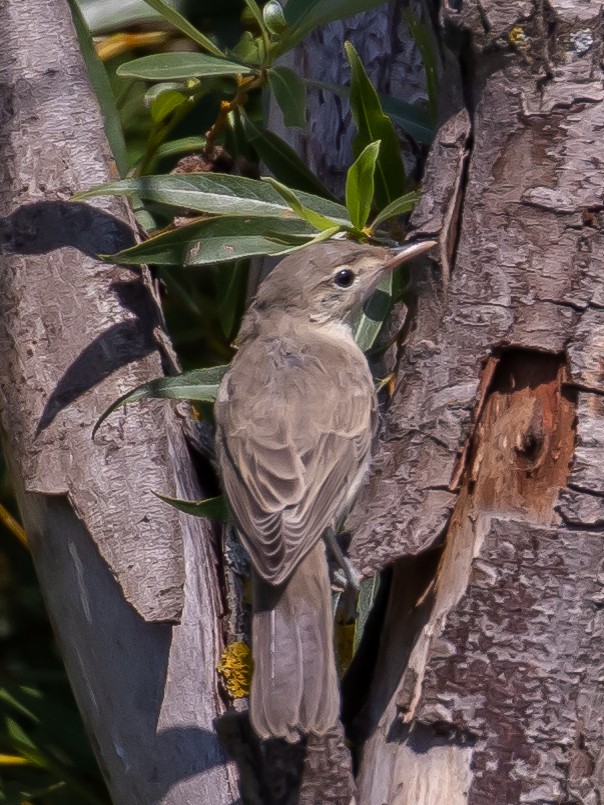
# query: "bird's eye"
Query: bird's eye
344,278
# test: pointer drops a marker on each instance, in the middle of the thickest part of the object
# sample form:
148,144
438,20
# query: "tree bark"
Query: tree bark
131,585
488,479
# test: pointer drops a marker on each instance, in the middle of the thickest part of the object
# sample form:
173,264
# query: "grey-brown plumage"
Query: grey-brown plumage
295,417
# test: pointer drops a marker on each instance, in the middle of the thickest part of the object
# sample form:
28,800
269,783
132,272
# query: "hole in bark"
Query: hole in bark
523,442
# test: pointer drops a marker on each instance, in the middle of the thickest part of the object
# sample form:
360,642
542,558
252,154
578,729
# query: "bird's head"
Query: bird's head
328,282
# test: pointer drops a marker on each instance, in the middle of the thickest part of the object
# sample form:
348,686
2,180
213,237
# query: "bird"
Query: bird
296,415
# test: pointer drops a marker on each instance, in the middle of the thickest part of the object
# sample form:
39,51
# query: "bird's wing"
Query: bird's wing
293,440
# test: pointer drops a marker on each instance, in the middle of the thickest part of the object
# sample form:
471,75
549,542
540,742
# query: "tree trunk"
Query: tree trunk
487,485
131,585
485,498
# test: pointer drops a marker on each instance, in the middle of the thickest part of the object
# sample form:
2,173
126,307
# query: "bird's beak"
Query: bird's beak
408,252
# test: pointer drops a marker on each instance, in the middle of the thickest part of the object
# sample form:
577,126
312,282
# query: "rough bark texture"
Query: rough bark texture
74,335
487,687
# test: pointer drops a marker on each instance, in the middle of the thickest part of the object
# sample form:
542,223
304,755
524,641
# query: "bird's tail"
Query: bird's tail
295,684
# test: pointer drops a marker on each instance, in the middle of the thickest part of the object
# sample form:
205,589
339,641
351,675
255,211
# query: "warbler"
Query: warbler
295,416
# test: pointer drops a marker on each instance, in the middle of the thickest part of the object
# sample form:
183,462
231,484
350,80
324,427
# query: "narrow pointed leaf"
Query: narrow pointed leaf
198,385
303,16
99,79
182,24
426,46
210,508
372,124
219,194
360,185
414,120
216,240
282,160
315,219
290,93
399,206
173,66
374,313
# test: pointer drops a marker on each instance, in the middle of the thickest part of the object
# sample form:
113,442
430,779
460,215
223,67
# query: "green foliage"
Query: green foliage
210,508
372,125
427,50
290,93
360,184
172,66
198,385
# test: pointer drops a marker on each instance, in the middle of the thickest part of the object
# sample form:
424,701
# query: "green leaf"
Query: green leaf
367,596
427,49
219,194
290,93
102,89
250,49
231,286
259,17
165,103
172,66
182,24
375,311
216,240
303,16
198,385
360,184
184,145
372,124
210,508
399,206
294,201
282,160
414,120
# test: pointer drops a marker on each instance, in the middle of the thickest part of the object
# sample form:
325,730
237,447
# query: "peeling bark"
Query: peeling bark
485,688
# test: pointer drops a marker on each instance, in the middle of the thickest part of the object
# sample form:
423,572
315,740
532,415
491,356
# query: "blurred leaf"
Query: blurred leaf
220,194
303,16
250,49
314,218
102,16
282,160
231,285
184,145
183,25
210,508
196,385
414,120
102,89
290,93
375,311
274,17
360,184
165,103
372,124
259,17
172,66
427,50
399,206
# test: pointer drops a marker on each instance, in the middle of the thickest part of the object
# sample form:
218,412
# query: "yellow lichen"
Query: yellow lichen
236,667
517,38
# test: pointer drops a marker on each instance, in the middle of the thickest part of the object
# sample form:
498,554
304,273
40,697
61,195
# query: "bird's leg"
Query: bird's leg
352,578
349,595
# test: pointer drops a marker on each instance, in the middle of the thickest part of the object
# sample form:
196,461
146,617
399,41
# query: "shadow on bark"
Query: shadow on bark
44,227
